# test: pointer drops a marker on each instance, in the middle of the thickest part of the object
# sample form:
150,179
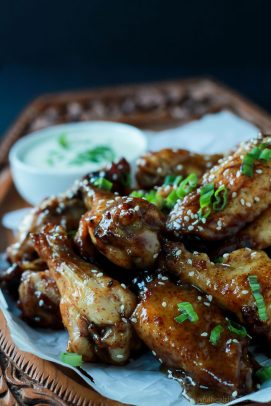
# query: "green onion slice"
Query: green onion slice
71,358
187,313
265,155
256,290
237,328
215,334
187,185
221,198
103,183
171,199
137,193
264,373
169,180
205,200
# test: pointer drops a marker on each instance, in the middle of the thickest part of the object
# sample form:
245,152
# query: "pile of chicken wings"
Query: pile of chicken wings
177,264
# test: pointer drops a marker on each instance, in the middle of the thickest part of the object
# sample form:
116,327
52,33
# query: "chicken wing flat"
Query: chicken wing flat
222,365
228,282
95,308
124,229
244,196
39,299
153,167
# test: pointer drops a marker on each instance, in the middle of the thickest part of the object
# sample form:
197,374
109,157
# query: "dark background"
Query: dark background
56,45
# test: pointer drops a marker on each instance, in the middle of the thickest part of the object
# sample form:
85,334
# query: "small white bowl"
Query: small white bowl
34,181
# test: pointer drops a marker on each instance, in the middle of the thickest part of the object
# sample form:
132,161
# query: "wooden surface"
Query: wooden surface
24,378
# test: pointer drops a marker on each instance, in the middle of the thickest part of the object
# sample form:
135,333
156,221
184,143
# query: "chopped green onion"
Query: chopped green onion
103,183
206,194
215,334
169,180
171,199
177,180
187,313
154,198
71,358
264,373
221,198
265,155
137,193
237,328
256,290
63,142
187,185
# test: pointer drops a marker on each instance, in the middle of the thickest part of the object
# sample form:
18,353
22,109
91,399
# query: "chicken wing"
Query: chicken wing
94,308
153,167
64,210
256,235
222,365
124,229
227,282
39,299
247,197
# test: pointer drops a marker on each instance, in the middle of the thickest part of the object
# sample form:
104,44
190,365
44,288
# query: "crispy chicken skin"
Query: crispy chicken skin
94,308
256,235
64,210
224,367
153,167
227,282
248,197
39,299
124,229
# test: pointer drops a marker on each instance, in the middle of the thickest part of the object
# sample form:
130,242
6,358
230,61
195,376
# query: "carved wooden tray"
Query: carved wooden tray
24,378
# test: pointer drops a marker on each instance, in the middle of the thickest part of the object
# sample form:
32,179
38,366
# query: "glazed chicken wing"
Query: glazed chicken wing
222,366
124,229
227,282
256,235
39,299
94,308
245,198
64,210
153,167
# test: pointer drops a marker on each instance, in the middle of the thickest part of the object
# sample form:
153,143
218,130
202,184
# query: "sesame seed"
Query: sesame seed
160,283
154,353
124,320
199,298
234,394
234,194
206,304
244,292
160,360
189,261
99,275
119,356
242,201
190,228
203,220
191,273
195,253
178,252
123,285
137,208
210,298
257,199
186,218
155,255
248,204
204,334
259,171
134,320
226,255
164,304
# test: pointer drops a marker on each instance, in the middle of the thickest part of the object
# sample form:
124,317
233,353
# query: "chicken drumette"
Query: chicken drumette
221,365
95,308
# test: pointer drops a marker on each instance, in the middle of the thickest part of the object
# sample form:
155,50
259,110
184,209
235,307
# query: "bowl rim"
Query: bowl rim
16,161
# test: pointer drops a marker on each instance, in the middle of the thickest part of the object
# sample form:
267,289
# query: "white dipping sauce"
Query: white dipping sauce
76,148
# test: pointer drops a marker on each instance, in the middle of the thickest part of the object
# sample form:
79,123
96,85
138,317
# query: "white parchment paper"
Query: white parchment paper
141,382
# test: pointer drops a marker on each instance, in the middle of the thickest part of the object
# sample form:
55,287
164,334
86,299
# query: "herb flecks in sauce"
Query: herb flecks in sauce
97,154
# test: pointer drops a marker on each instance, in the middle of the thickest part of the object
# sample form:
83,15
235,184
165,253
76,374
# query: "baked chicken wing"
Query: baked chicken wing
39,299
243,197
94,307
124,229
221,365
153,167
228,282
